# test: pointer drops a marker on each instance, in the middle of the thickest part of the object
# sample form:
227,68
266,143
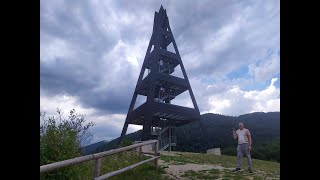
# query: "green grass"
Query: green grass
262,169
224,161
118,161
176,160
199,175
203,174
143,172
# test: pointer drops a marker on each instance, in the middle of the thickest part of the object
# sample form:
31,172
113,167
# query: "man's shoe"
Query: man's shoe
249,170
236,169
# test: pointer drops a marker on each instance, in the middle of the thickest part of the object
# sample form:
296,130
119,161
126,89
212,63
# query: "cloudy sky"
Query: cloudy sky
91,53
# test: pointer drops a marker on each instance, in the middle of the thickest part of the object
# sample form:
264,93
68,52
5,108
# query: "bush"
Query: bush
126,142
61,139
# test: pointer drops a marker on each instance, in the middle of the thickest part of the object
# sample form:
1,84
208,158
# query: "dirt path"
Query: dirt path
175,171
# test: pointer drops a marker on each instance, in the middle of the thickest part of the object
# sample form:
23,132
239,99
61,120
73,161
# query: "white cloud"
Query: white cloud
266,68
217,46
109,126
49,104
131,52
55,48
218,105
103,122
220,40
235,101
122,63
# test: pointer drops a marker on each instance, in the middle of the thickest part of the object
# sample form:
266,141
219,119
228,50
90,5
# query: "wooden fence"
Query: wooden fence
98,158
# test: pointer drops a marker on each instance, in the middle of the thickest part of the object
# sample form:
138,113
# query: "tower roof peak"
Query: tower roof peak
161,8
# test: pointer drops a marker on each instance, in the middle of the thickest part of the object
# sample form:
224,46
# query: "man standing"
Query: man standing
244,146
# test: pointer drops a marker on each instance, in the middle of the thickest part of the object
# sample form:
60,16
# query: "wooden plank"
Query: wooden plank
65,163
172,80
124,169
77,160
97,167
150,153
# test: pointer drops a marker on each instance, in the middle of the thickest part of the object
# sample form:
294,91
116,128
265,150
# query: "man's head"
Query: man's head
241,126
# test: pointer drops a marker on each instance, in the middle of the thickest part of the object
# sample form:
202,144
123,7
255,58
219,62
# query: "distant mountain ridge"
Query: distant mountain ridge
213,130
89,149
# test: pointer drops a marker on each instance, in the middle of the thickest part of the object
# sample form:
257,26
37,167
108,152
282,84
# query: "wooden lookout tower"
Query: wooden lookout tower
157,115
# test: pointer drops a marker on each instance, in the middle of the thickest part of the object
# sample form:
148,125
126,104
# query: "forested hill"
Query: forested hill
214,130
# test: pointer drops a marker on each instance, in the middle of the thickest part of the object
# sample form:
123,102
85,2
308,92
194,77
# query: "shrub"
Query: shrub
61,139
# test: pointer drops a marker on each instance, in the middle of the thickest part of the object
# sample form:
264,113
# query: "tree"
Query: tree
61,139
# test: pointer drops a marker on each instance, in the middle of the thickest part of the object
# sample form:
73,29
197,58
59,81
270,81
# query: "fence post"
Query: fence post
169,139
140,151
97,167
156,153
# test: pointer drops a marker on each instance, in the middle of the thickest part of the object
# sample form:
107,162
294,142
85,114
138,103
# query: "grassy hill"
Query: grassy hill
213,130
180,165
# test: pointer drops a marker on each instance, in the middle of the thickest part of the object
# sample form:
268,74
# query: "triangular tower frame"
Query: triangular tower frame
160,87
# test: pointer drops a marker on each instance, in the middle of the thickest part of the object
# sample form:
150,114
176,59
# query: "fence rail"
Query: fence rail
98,156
